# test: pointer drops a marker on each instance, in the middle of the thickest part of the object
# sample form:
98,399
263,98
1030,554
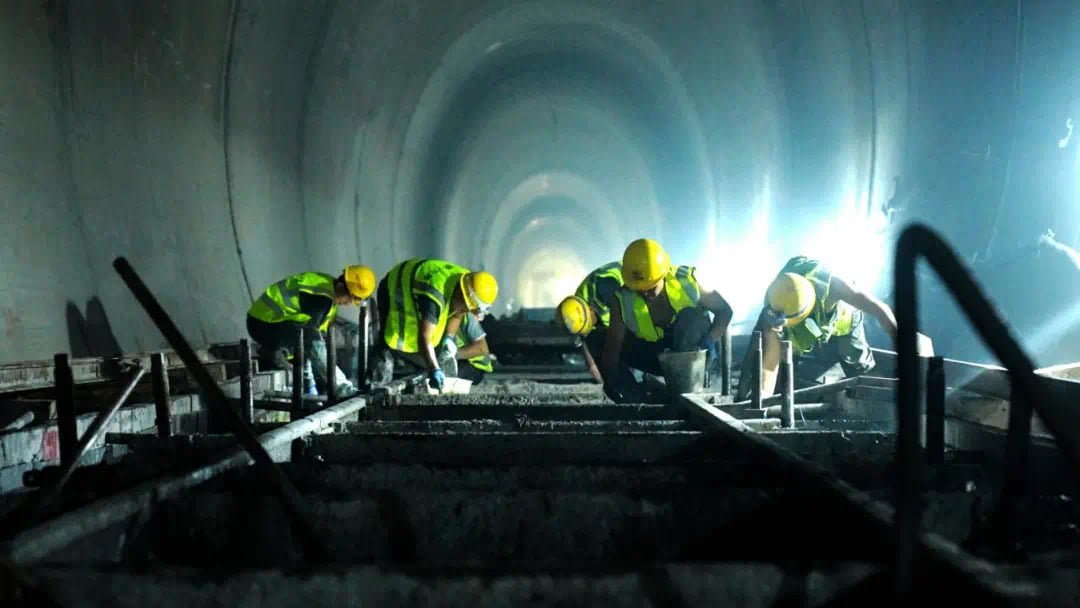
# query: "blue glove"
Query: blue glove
437,379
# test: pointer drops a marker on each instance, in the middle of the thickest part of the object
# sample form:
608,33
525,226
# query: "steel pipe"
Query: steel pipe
918,241
725,364
264,463
66,429
331,368
298,372
787,369
38,542
755,369
159,373
935,411
247,392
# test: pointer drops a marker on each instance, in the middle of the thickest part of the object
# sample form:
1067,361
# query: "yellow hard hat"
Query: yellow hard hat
790,299
480,290
360,280
644,264
577,316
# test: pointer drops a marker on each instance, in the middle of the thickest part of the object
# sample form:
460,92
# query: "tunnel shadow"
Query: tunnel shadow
90,335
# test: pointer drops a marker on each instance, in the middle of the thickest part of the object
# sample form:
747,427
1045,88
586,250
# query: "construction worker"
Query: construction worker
471,346
422,303
822,315
587,313
660,307
307,300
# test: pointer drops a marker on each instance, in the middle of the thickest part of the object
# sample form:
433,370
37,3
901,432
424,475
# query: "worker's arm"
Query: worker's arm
770,361
453,324
613,343
427,344
842,290
590,362
713,301
476,348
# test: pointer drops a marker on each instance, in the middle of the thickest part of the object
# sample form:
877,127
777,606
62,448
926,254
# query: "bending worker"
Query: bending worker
470,345
422,303
822,315
308,300
660,307
587,313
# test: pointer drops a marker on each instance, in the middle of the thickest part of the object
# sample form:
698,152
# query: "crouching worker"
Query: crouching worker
822,315
587,313
422,304
308,300
660,307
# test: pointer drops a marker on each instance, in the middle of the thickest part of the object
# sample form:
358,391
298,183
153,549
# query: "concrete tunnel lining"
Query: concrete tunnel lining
501,42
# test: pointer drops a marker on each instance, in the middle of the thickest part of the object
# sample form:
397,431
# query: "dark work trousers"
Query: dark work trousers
852,352
688,333
276,344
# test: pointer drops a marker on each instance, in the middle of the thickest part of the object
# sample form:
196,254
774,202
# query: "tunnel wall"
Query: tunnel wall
222,145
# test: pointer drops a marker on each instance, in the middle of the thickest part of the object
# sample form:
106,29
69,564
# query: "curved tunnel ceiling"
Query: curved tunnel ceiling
225,145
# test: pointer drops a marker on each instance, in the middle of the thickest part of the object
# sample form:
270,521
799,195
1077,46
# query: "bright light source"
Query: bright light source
548,275
852,245
740,268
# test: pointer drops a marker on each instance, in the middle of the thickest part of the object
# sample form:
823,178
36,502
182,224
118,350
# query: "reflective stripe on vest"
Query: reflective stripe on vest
427,278
590,292
682,290
824,324
281,301
480,362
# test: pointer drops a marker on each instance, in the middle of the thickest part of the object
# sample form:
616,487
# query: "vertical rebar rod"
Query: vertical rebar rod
247,393
159,373
365,341
331,368
935,410
66,428
725,364
787,369
298,372
756,357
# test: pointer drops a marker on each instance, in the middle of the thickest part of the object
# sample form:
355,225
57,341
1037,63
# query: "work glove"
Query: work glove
346,390
437,379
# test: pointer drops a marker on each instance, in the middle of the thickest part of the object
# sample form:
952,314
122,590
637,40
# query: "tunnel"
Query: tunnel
166,165
223,145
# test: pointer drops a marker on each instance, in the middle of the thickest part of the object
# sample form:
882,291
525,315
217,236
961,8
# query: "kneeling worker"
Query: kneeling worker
822,315
308,300
660,307
587,313
422,303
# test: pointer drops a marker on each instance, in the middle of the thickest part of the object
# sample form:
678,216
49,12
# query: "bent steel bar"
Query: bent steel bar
264,463
38,542
919,241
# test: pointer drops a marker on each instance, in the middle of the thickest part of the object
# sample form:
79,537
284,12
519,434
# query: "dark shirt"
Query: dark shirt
316,307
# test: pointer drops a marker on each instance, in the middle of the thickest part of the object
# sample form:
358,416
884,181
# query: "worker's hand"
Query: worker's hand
437,379
345,390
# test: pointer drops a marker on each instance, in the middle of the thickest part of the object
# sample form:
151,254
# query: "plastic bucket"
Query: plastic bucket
684,372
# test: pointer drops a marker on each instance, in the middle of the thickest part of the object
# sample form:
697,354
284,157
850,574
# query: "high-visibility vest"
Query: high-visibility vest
280,302
682,290
822,324
589,290
480,362
406,283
